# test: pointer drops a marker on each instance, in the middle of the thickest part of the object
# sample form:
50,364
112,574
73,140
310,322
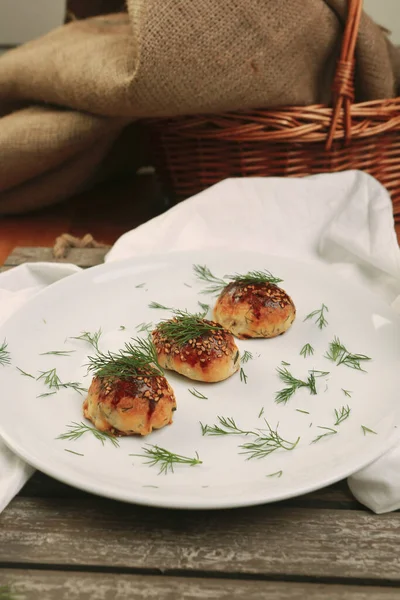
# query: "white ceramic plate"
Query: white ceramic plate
111,296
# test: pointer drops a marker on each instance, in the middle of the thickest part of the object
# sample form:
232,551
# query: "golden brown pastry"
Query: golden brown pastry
196,348
136,405
254,310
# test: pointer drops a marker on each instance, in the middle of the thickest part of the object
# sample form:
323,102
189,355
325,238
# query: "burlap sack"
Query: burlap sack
90,78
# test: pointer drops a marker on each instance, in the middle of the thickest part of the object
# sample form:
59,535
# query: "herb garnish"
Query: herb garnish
339,354
205,308
217,284
243,376
166,459
367,430
277,474
342,414
347,393
260,414
266,440
319,313
134,360
140,285
158,305
197,394
246,357
5,356
294,384
302,411
285,364
91,338
77,430
329,431
122,327
46,394
52,380
307,350
147,327
24,373
73,452
57,352
184,327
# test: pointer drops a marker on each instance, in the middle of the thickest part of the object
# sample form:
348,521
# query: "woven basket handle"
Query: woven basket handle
343,84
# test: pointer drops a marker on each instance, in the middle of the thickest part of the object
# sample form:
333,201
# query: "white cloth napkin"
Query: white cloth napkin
343,219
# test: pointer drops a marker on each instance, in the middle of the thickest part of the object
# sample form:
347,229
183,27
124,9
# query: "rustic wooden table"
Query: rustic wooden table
59,542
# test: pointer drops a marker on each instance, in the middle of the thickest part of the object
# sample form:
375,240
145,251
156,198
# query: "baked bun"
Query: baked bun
254,310
128,406
210,355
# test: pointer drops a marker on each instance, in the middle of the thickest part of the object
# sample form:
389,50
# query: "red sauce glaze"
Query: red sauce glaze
150,388
259,296
199,351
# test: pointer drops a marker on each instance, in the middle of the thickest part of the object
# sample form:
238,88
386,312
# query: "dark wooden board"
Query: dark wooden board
82,257
270,540
47,585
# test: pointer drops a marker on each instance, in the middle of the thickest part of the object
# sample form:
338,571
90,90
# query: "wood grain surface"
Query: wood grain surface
270,540
47,585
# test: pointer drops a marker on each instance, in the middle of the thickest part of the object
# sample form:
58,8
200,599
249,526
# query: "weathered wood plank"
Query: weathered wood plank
335,496
265,541
47,585
83,257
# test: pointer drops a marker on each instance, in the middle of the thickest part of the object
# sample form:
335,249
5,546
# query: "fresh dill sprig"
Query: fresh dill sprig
184,327
293,384
91,338
50,377
197,394
266,440
73,452
205,308
52,380
246,357
132,361
347,393
254,278
367,430
236,357
307,350
158,305
302,411
147,327
166,459
5,356
260,414
342,414
46,394
140,285
77,430
319,313
319,373
73,385
243,376
57,353
285,364
122,328
329,431
339,354
25,374
227,426
277,474
216,284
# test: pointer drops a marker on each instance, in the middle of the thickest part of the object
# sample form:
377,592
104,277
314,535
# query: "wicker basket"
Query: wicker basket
194,152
